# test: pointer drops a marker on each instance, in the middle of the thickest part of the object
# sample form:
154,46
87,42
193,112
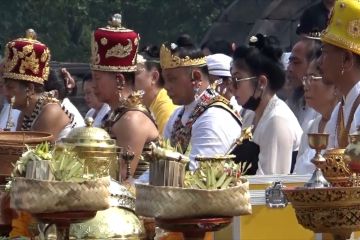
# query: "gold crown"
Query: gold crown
168,60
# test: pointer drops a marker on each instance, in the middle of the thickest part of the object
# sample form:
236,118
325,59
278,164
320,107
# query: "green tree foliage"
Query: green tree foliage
65,25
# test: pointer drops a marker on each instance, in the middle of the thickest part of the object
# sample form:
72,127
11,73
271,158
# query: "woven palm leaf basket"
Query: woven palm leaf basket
173,202
39,196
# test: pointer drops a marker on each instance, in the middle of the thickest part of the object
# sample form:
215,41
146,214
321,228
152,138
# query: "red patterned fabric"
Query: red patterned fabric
114,49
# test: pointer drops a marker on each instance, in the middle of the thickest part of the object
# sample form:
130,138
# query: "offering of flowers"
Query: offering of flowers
50,163
215,175
49,179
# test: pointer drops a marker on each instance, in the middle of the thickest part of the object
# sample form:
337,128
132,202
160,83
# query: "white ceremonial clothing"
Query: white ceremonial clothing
302,112
235,105
278,134
213,132
98,120
303,161
348,103
4,115
78,119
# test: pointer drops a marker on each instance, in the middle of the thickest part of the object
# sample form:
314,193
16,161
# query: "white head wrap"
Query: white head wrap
219,64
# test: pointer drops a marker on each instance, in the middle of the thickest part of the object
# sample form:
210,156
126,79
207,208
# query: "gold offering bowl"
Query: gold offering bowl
336,170
333,210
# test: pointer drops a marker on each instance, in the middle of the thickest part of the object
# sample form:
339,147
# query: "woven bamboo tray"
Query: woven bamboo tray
173,202
38,196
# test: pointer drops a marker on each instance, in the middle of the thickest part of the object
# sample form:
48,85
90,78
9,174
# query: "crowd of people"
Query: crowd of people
200,98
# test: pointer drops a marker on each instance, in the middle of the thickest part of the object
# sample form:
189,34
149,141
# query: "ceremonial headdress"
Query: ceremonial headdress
344,26
219,64
170,60
27,59
114,48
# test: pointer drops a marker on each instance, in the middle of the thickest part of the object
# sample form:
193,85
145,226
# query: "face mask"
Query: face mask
253,103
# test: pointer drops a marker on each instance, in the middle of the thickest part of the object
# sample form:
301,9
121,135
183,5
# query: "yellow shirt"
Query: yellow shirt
162,107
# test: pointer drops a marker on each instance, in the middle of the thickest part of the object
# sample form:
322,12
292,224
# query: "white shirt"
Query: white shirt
4,114
100,115
278,134
212,133
235,105
302,112
78,119
303,161
349,100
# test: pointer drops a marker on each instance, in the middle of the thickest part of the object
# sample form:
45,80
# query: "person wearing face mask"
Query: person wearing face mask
257,74
205,124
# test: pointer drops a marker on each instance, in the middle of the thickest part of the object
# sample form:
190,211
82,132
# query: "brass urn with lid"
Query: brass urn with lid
96,147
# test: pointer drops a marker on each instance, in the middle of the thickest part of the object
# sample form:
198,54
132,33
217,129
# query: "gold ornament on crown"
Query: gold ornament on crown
168,60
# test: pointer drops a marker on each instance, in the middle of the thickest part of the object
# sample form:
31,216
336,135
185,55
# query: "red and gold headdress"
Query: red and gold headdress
114,48
27,59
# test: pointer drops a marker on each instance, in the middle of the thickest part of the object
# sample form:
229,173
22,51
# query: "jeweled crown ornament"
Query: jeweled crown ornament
169,60
114,48
27,59
344,26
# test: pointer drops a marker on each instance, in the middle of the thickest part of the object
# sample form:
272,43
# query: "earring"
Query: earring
197,89
342,71
27,97
120,87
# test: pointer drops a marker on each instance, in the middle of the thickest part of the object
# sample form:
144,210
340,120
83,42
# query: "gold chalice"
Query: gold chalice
318,141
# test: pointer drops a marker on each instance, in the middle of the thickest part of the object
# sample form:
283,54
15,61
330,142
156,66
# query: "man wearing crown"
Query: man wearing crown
206,124
113,65
340,65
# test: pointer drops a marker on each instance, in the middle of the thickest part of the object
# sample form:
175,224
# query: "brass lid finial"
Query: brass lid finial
115,20
31,34
89,121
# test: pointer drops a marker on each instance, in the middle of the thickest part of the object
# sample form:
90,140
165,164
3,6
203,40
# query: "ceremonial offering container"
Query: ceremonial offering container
96,147
59,196
336,170
167,168
12,145
331,209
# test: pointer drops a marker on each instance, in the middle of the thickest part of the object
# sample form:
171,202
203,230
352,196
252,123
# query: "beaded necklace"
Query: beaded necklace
43,100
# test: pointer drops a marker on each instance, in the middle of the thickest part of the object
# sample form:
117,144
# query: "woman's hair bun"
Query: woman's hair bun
267,45
184,40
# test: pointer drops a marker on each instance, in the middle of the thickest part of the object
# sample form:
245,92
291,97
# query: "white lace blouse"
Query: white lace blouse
278,134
